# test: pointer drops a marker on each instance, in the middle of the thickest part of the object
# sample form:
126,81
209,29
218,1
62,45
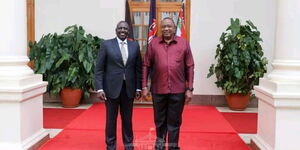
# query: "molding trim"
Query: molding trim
258,143
31,143
36,140
278,94
215,100
253,145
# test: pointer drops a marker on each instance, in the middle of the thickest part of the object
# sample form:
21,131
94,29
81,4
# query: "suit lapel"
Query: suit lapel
129,47
117,51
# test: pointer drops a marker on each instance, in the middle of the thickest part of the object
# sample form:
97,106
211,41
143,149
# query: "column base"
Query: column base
258,143
21,112
14,66
37,140
278,115
31,143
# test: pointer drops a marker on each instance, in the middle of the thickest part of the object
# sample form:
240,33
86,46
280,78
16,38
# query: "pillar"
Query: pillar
279,92
21,107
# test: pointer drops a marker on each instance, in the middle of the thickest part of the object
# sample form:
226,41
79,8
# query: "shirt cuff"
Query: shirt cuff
101,90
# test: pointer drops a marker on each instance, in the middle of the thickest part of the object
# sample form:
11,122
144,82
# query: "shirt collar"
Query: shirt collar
174,40
119,41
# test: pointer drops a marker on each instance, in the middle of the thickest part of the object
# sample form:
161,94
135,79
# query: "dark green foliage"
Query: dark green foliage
66,60
240,61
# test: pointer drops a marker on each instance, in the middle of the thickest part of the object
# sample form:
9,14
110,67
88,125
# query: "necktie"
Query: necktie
123,52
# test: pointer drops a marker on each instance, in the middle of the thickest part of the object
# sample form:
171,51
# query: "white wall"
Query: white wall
98,17
209,18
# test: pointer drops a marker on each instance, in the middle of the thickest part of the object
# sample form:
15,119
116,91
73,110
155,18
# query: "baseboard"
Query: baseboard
257,143
47,98
31,143
37,140
214,100
40,143
253,145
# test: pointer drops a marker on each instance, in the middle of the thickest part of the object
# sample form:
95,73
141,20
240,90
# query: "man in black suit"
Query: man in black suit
118,82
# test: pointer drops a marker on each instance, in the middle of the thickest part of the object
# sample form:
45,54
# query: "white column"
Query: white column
279,93
20,90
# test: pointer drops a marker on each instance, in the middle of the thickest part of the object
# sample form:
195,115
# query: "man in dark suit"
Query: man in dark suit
118,82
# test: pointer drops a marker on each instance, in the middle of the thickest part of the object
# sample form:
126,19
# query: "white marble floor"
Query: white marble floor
247,110
54,132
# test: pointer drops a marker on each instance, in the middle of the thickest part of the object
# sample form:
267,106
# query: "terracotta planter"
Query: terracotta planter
237,101
70,97
31,64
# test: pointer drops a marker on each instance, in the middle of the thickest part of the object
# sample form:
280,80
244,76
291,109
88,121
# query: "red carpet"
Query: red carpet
203,128
94,140
242,122
59,118
208,119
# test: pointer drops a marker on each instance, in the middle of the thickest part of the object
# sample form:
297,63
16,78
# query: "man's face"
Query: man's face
122,30
167,28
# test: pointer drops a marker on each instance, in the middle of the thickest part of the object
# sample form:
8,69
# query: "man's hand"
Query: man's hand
145,93
101,96
138,95
188,96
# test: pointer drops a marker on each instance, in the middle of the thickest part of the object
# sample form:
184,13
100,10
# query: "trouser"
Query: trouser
168,110
112,106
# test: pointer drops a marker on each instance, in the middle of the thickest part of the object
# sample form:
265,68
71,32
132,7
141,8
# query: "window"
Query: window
139,10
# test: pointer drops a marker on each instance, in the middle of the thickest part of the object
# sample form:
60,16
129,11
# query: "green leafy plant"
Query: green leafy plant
240,61
66,60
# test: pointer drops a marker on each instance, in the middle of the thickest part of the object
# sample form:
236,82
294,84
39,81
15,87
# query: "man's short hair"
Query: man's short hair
122,21
169,18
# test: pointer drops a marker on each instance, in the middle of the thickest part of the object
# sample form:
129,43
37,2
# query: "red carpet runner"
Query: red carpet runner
242,122
203,128
59,118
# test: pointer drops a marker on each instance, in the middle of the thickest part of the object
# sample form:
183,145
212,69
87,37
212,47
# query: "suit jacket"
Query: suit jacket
110,68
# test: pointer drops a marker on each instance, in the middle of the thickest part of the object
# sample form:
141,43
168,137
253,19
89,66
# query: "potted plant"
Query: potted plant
67,62
240,63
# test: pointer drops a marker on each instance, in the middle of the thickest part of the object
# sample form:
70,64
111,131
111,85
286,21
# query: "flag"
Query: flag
152,22
128,20
180,31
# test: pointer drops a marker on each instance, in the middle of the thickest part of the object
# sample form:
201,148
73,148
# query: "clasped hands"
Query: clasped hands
145,93
101,95
188,95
